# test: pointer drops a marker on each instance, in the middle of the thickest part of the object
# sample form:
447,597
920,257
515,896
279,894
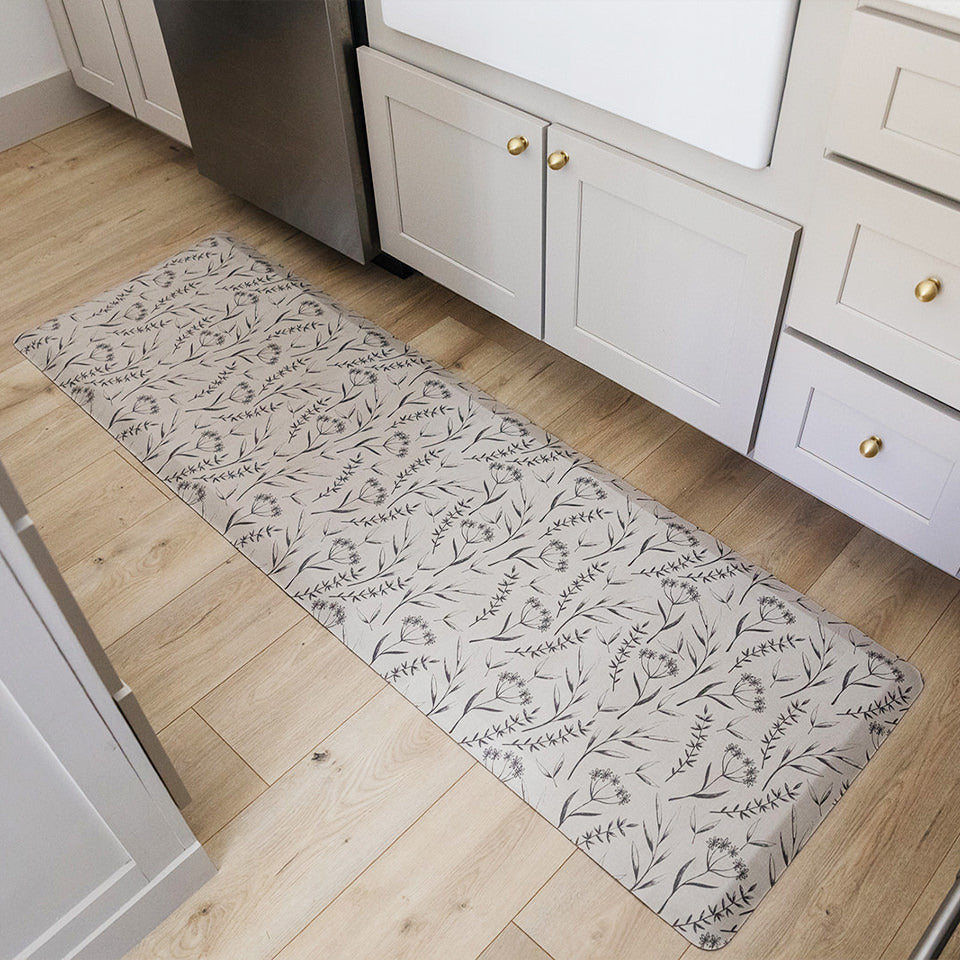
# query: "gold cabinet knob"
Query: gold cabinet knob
927,289
516,145
558,159
871,447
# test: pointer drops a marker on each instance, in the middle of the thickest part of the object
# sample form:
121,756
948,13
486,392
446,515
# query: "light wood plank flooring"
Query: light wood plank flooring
345,824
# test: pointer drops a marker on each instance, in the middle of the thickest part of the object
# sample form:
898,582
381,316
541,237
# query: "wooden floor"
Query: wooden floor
344,824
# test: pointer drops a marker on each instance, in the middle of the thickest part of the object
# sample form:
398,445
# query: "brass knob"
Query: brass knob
558,159
871,447
516,145
927,289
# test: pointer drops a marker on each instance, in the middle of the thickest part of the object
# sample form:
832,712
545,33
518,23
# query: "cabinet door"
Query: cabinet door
80,835
146,65
89,49
451,200
668,287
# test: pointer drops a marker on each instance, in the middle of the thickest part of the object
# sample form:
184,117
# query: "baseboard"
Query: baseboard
152,905
42,107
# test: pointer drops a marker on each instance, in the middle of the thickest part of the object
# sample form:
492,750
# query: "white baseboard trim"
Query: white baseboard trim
152,905
42,107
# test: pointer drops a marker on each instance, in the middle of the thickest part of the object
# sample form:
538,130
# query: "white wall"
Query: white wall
29,51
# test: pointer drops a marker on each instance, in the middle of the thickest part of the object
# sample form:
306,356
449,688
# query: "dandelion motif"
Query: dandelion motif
327,424
679,536
210,442
505,472
330,614
102,353
679,592
748,691
416,630
135,312
310,308
374,339
512,427
146,406
883,667
242,393
724,860
555,554
504,764
362,378
372,492
710,941
474,532
774,610
436,390
398,444
212,338
657,665
265,505
165,278
344,551
246,298
605,787
512,688
737,767
534,614
586,488
269,354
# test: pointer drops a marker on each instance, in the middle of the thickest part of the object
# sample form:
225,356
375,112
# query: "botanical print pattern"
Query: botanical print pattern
682,716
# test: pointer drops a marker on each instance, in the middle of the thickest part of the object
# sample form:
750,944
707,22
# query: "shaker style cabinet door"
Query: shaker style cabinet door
115,51
146,66
668,287
458,180
89,49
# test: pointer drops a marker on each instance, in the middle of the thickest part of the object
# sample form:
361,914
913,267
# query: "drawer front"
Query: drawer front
867,247
897,103
666,286
451,200
818,411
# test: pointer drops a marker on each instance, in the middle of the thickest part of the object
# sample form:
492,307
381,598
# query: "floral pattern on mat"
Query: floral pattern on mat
682,716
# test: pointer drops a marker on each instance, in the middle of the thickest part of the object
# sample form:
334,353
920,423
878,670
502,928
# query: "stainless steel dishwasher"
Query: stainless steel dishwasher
271,99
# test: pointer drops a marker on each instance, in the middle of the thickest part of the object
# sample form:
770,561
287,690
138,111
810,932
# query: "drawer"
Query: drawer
866,248
818,411
897,102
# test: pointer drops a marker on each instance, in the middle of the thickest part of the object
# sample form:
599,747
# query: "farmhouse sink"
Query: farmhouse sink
707,72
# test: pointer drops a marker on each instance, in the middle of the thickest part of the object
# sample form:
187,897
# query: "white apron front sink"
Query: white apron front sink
707,72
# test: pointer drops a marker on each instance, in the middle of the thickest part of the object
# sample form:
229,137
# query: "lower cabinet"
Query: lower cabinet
458,180
668,287
95,853
115,51
878,451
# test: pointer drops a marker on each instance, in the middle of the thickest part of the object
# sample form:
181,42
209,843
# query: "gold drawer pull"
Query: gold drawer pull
516,145
927,289
558,159
871,447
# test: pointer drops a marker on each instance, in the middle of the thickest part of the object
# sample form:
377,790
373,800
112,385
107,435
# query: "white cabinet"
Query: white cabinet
666,286
452,201
669,287
115,50
95,853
